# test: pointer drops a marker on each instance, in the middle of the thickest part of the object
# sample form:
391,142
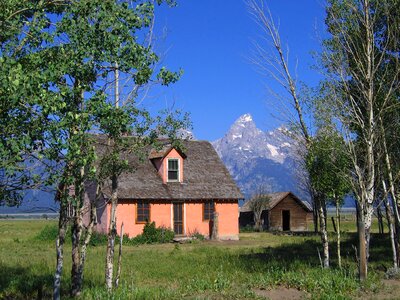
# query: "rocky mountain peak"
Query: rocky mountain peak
255,157
245,138
244,119
244,128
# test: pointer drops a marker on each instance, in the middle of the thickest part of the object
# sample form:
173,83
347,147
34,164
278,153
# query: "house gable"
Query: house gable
275,199
279,197
173,154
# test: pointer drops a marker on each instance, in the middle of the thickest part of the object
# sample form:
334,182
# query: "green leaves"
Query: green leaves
328,164
167,77
56,61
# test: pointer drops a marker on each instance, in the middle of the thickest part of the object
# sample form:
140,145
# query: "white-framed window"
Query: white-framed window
173,169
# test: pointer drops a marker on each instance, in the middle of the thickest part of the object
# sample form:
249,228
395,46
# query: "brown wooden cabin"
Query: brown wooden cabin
285,212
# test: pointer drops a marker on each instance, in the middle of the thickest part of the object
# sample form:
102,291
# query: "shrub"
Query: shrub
48,233
247,228
198,236
392,273
152,234
99,239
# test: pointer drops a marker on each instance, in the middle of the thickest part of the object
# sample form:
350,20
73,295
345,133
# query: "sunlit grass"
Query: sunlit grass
200,270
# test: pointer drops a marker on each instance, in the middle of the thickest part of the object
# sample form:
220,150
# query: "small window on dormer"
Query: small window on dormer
173,169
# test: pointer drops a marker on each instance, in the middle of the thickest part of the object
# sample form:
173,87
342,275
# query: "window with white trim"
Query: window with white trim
173,169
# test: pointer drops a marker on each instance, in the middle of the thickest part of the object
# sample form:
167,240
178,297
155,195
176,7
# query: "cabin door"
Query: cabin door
178,218
285,220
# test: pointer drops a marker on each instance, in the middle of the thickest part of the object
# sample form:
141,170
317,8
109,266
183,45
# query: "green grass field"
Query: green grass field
199,270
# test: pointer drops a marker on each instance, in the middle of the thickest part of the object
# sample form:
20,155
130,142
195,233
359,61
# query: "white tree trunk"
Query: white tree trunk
391,226
324,236
119,265
62,228
112,232
338,234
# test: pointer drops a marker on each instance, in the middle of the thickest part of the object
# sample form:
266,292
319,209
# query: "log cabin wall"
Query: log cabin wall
299,217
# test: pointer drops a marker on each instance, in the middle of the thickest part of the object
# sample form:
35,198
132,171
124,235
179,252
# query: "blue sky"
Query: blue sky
211,41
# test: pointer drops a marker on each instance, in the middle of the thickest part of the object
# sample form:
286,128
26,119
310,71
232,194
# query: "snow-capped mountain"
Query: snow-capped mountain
257,159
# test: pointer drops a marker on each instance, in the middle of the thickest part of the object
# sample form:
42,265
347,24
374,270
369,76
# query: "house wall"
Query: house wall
194,219
161,214
228,226
228,219
310,221
298,216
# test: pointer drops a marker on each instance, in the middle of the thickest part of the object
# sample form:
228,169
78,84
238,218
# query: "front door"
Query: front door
178,218
285,220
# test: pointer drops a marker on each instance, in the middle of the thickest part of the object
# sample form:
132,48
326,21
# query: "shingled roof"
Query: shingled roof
275,199
205,176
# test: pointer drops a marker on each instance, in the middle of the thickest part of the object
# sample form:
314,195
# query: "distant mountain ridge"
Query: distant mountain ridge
257,159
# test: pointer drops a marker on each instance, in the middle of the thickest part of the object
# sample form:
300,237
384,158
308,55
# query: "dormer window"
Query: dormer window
173,169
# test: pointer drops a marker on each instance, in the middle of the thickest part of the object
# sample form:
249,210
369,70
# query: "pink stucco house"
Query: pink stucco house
177,189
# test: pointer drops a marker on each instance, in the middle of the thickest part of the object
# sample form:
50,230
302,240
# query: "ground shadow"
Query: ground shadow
292,255
286,256
380,250
21,283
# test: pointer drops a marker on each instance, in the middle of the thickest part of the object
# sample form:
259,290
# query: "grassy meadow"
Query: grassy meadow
197,270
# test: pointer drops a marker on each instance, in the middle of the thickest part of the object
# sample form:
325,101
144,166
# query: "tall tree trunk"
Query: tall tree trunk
257,220
324,235
214,232
392,191
363,239
77,226
62,228
76,283
363,271
358,214
315,215
119,265
339,257
369,212
380,219
88,234
392,188
112,232
391,224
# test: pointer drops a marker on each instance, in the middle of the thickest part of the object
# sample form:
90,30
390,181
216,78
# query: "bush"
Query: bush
152,234
247,228
198,236
48,233
392,273
99,239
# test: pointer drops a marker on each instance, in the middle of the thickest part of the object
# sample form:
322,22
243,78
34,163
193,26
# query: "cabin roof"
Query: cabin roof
275,199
